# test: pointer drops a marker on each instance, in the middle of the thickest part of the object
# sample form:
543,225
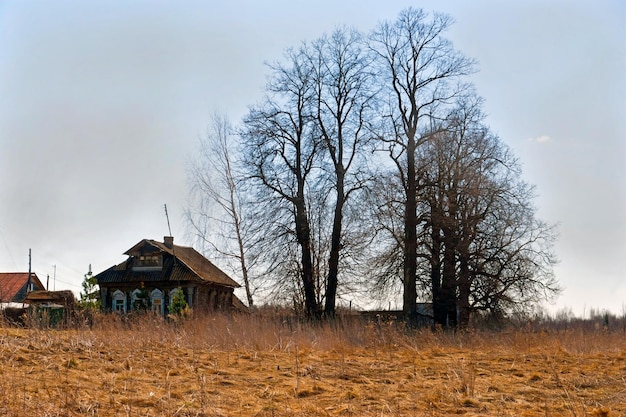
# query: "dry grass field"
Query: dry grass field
251,366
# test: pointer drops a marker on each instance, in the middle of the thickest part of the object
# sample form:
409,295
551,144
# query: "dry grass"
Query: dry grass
251,366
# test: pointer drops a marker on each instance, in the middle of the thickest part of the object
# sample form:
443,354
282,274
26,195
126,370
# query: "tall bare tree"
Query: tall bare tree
345,97
422,72
216,211
281,146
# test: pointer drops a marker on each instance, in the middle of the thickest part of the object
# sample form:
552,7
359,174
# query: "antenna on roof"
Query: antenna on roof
168,219
169,241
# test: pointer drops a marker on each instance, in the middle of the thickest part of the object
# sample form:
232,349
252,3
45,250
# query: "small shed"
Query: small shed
52,308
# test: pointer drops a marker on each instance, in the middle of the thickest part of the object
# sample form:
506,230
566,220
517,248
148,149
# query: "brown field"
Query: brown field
251,366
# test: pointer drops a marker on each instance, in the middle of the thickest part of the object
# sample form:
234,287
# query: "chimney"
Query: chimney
168,241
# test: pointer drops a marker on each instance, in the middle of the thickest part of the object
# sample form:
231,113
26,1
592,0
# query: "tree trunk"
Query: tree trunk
303,236
464,290
448,284
244,268
410,237
335,249
240,243
439,309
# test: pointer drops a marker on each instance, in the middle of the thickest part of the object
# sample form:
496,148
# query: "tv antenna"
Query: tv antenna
168,219
170,230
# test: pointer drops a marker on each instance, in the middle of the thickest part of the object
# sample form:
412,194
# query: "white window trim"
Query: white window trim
134,297
117,297
172,292
157,294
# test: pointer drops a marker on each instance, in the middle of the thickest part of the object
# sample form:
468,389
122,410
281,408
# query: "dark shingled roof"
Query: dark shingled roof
186,264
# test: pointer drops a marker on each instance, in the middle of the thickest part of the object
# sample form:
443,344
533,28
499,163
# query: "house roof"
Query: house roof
12,282
190,265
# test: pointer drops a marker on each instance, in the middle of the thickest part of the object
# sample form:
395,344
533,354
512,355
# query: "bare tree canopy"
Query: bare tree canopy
369,155
281,146
484,236
423,73
216,213
345,104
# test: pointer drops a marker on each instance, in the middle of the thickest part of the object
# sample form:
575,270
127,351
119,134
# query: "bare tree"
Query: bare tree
511,260
344,96
422,71
216,210
488,250
307,145
281,146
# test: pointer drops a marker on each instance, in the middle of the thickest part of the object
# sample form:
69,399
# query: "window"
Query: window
157,306
156,300
119,301
190,296
139,300
149,260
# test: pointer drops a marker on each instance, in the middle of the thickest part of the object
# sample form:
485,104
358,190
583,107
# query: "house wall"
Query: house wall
214,298
199,297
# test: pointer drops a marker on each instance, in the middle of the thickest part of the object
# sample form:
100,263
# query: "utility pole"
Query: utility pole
28,286
28,283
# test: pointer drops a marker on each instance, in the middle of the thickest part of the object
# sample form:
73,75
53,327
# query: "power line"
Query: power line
60,281
6,245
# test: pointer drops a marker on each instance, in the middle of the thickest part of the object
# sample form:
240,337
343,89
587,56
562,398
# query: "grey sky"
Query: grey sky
102,102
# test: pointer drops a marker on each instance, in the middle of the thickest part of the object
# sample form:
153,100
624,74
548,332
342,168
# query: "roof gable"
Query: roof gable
147,246
13,285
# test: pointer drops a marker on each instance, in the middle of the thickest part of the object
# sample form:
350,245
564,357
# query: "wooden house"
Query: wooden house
156,272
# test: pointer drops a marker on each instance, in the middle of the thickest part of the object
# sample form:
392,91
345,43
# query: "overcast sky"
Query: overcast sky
102,104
